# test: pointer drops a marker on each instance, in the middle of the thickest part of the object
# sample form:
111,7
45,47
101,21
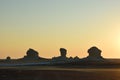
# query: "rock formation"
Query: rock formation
8,58
31,54
63,53
94,54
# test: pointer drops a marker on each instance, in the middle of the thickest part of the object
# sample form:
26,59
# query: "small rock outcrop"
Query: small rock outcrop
8,58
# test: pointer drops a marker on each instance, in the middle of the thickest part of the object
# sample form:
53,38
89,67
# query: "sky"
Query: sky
48,25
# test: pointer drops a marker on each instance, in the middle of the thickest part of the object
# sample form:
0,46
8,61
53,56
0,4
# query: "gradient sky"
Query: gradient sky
47,25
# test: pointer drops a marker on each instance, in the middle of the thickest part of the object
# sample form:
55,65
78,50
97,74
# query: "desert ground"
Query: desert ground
55,73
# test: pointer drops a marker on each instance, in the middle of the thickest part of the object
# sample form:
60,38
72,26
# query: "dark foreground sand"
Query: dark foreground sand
16,74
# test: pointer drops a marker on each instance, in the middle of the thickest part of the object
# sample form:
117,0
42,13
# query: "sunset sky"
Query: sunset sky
47,25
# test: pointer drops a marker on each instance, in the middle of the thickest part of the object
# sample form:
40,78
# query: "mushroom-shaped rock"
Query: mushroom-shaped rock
63,52
31,54
8,58
94,53
62,56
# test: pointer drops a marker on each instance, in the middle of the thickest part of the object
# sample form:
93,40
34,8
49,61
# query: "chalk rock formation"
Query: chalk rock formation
31,54
94,54
63,53
8,58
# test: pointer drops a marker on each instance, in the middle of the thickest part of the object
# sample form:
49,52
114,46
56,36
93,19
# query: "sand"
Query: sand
33,73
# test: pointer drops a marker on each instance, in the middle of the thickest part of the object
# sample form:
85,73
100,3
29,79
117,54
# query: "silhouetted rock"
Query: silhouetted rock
8,58
94,54
63,53
71,58
76,58
31,54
